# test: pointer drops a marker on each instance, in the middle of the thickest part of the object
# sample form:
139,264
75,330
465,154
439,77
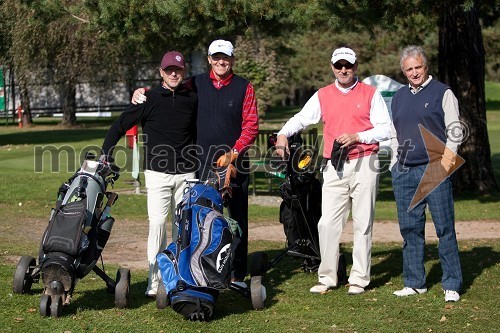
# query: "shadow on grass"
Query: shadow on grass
231,302
53,136
386,267
492,105
101,299
389,265
228,302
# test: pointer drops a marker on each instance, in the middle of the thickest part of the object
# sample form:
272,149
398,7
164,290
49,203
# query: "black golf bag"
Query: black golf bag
300,210
78,230
197,265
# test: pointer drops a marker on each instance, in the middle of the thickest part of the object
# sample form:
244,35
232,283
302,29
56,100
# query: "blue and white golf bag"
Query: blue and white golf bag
197,265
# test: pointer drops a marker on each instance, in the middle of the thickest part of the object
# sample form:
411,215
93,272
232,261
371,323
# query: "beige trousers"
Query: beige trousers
161,188
354,188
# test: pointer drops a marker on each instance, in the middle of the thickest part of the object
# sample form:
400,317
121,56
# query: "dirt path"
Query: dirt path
127,244
387,231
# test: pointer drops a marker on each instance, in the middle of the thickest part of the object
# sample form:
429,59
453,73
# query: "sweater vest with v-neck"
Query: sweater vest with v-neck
346,113
219,115
411,110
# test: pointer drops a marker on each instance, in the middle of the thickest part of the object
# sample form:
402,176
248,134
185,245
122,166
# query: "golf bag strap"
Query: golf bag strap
205,202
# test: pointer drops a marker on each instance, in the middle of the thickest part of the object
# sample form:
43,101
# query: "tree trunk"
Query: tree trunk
27,119
461,66
69,104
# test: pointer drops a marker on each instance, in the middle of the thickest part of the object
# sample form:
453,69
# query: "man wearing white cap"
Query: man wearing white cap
227,124
168,121
355,119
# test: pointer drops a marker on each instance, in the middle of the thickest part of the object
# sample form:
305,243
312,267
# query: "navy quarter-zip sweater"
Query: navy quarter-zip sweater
168,121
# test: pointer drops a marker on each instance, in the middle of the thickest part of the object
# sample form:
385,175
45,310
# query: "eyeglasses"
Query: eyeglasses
339,65
170,70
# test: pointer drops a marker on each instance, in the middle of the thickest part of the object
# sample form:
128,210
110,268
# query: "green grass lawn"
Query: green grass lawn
289,305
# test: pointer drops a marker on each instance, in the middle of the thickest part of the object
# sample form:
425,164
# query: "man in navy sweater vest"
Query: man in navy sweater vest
227,124
425,106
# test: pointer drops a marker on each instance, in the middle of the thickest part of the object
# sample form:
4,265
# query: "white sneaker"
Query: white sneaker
451,296
355,290
406,291
320,288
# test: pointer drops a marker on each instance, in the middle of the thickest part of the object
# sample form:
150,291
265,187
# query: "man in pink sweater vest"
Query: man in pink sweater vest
355,116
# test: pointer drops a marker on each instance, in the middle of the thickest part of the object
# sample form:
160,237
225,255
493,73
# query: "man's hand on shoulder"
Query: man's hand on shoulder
139,96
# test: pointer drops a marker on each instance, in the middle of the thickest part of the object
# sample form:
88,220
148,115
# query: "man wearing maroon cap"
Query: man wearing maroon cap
168,120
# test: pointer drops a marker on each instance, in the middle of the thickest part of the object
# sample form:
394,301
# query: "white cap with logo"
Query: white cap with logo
221,46
344,53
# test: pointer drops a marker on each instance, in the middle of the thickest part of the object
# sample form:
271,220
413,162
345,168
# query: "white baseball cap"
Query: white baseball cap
221,46
344,53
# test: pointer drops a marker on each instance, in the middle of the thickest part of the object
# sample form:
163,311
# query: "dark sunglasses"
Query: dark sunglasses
170,70
339,66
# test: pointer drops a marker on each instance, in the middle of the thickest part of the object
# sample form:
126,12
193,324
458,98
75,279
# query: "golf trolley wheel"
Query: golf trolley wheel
56,306
258,266
22,276
257,292
45,305
161,296
122,288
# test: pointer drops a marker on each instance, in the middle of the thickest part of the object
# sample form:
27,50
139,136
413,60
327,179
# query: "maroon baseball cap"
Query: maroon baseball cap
172,58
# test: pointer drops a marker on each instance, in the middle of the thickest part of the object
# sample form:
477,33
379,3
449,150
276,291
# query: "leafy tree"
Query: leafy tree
19,48
60,41
258,62
491,38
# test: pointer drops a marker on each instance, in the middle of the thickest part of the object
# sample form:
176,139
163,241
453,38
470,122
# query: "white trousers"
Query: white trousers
355,187
161,188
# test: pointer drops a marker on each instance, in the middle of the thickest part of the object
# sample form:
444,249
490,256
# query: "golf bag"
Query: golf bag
80,224
196,266
300,210
78,230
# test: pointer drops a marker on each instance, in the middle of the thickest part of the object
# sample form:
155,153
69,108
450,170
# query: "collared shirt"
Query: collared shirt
422,86
346,90
220,83
249,114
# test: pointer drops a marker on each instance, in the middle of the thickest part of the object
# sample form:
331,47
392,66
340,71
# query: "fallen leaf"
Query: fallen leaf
443,319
